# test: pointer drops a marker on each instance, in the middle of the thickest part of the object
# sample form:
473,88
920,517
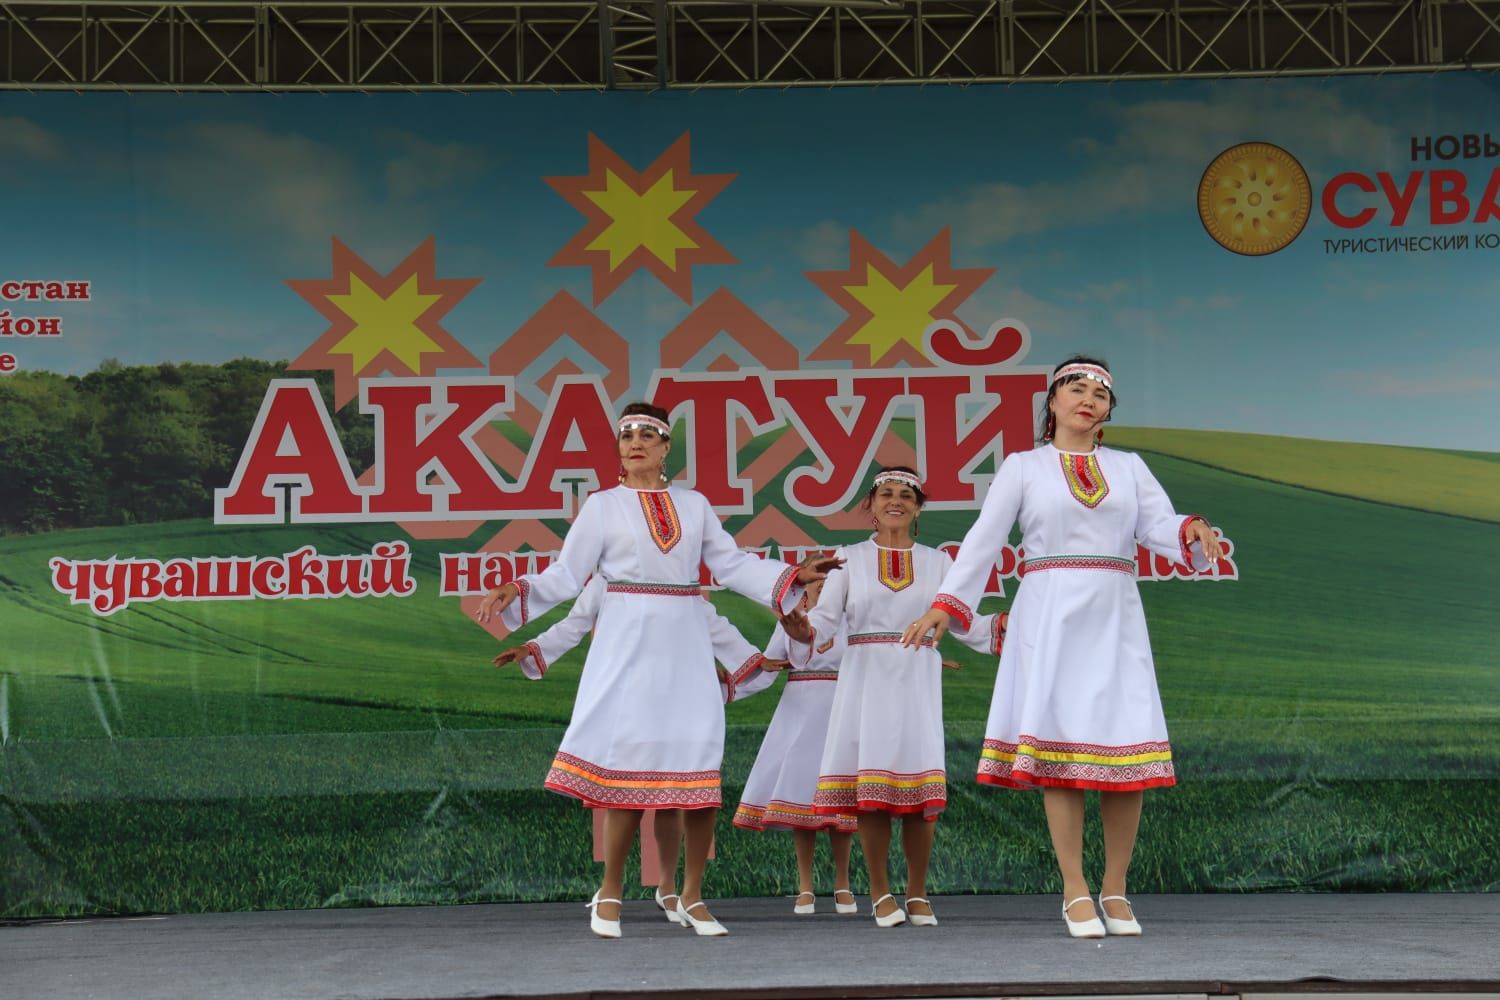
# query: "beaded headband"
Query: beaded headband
897,476
1087,371
645,420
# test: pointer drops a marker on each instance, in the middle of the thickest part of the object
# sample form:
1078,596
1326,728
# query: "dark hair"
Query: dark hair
648,410
1047,421
869,499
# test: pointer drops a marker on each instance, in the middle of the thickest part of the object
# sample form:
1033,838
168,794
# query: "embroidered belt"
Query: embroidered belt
1114,564
812,675
869,638
655,589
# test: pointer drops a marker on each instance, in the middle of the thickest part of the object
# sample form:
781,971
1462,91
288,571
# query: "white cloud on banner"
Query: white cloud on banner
1110,291
289,184
1473,371
989,214
26,139
1045,320
260,180
422,168
1310,122
824,246
800,323
1157,153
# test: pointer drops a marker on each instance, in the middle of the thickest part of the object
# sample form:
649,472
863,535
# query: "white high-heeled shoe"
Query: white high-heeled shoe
802,909
920,919
1090,928
1125,928
704,928
597,924
845,908
896,916
672,915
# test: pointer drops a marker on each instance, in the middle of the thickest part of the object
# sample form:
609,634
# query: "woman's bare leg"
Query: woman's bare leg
875,841
1121,813
843,846
803,841
620,826
668,830
916,839
698,825
1064,808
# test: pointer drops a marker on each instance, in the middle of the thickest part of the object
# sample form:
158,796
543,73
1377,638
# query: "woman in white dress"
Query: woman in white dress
1076,704
884,753
779,792
647,730
736,656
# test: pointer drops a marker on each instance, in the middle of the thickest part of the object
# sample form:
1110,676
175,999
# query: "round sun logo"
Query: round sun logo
1254,198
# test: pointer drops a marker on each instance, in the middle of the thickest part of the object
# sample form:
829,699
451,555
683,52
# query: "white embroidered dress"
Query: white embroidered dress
1076,703
779,792
885,746
648,725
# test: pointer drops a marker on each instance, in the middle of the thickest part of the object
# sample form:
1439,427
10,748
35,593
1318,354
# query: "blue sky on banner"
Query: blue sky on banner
188,214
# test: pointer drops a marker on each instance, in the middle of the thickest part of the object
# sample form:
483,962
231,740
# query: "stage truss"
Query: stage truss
207,45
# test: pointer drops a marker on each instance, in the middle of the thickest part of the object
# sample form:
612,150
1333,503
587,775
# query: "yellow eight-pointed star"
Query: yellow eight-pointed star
641,220
384,324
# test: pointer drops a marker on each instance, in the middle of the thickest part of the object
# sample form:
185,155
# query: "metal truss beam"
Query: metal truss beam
222,45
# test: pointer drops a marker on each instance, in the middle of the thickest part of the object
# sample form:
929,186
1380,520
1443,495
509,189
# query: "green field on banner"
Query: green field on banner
1330,714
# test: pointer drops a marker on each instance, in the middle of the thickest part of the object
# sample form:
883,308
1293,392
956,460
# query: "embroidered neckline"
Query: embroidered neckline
1085,478
661,518
897,568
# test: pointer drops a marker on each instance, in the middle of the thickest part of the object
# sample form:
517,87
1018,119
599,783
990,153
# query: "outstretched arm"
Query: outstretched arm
802,630
547,648
1188,539
771,583
963,585
740,675
521,600
987,634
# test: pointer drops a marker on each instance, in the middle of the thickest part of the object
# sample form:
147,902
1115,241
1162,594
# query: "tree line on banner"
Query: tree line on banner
130,444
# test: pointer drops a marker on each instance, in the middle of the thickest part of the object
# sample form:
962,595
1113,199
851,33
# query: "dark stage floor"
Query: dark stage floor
984,946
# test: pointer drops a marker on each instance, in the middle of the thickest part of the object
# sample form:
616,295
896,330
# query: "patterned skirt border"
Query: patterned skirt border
882,791
600,788
1034,763
791,816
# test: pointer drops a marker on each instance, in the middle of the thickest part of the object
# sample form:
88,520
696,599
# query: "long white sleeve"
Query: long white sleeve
553,644
581,549
984,635
734,652
964,583
771,583
750,678
828,617
1160,528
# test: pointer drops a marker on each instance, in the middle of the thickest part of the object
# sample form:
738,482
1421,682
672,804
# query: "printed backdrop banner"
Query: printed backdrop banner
286,384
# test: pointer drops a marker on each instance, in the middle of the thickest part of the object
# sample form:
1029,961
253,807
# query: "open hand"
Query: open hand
509,656
1200,531
796,626
818,569
934,621
496,601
